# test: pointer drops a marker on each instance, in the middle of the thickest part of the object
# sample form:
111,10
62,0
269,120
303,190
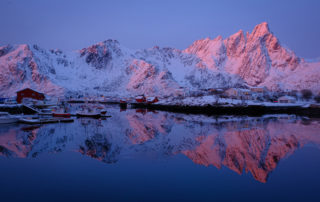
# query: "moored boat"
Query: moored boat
38,120
5,117
61,114
29,121
103,112
46,112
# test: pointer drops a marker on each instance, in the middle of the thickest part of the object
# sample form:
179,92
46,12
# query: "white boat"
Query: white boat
87,112
5,117
38,120
29,120
46,112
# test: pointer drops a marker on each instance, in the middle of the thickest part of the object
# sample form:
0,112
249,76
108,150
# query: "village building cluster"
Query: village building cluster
257,94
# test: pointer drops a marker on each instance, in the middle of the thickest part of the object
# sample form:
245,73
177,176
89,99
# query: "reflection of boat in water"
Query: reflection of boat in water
88,114
44,120
66,120
5,117
30,128
141,111
103,112
242,144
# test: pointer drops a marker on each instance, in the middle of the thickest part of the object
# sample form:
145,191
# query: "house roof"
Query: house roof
29,89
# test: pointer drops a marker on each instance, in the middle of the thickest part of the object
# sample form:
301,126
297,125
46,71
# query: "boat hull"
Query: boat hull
9,120
62,115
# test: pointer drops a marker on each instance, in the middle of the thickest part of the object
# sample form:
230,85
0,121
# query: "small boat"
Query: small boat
43,106
61,114
103,112
29,121
5,117
100,109
46,112
37,121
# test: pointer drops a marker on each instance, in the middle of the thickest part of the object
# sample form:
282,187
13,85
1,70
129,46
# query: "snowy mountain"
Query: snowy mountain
259,59
109,68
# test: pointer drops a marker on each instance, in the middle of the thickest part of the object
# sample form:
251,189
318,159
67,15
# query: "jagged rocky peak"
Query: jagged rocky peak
100,54
5,49
161,53
261,30
235,44
102,48
19,50
203,45
256,58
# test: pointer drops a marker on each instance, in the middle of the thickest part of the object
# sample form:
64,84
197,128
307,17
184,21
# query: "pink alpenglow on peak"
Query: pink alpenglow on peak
260,30
255,59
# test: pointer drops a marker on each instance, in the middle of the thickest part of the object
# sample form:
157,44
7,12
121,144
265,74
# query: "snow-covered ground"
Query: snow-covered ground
214,100
110,69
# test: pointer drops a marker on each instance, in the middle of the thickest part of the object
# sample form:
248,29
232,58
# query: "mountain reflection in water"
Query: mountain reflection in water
242,144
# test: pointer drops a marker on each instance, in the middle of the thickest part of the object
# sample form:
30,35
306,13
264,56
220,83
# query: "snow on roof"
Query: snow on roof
29,89
151,98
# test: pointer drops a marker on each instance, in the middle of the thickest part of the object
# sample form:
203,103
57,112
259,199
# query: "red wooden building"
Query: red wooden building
29,93
141,99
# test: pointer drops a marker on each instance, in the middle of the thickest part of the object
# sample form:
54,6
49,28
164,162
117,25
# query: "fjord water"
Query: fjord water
140,155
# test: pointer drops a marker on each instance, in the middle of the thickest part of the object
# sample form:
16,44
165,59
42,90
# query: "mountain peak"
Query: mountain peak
261,29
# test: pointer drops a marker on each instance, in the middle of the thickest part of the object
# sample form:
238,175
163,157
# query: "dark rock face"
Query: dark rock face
100,55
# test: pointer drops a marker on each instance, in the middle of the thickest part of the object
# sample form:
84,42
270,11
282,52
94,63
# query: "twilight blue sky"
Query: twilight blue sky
74,24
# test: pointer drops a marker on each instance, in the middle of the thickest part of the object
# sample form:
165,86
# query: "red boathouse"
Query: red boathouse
29,93
141,99
151,100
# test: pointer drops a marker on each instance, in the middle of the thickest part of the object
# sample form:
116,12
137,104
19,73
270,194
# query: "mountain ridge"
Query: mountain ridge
108,68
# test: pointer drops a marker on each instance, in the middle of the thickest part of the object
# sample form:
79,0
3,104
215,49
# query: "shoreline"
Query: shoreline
212,110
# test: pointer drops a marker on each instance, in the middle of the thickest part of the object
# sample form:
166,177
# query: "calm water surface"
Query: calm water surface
139,155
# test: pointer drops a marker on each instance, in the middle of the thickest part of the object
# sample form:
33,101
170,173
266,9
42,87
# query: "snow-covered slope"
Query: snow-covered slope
259,59
109,68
